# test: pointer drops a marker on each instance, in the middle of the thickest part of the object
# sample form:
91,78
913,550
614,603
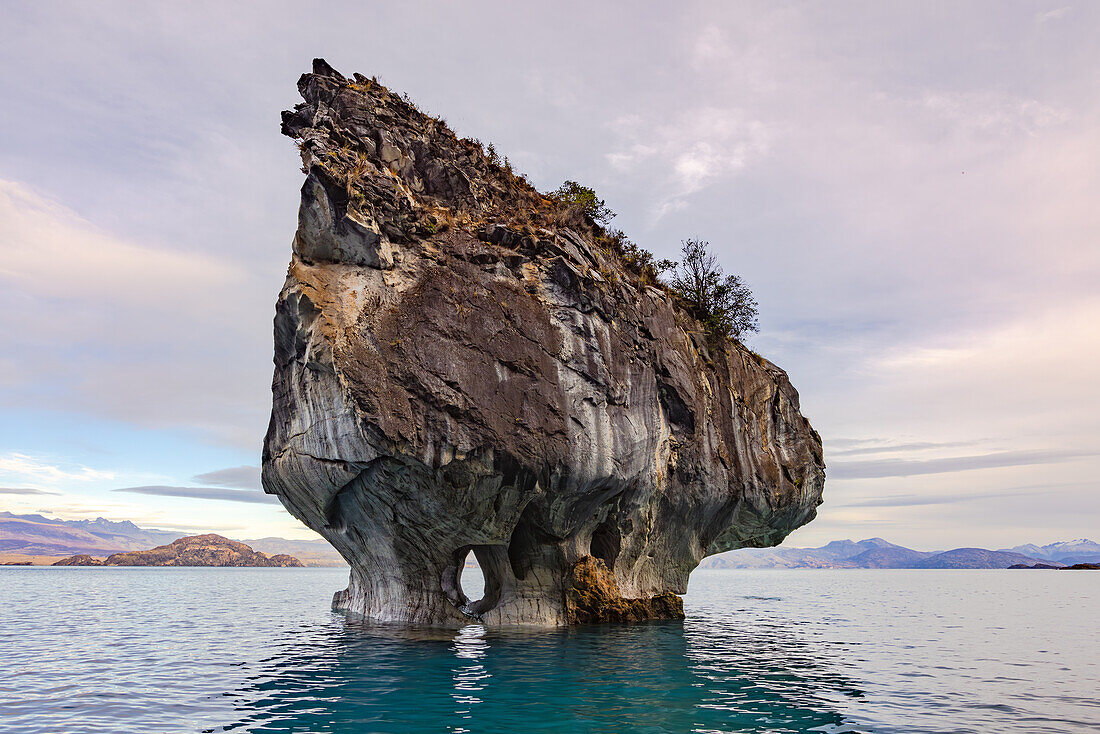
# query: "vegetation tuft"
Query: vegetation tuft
722,302
583,201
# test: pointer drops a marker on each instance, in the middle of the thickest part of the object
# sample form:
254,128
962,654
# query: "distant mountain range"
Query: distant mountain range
1067,552
37,535
878,553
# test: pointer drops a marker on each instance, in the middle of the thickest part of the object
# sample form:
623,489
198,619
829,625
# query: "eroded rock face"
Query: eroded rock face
461,365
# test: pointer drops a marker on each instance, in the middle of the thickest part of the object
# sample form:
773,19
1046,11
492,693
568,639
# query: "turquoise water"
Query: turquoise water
257,650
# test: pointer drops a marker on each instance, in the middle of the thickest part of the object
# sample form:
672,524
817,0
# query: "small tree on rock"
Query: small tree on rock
722,302
585,201
636,258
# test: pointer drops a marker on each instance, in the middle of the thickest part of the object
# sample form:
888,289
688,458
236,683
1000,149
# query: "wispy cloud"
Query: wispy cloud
109,323
204,493
887,448
852,443
920,500
1049,15
690,151
23,490
991,112
881,468
33,469
197,529
242,477
50,250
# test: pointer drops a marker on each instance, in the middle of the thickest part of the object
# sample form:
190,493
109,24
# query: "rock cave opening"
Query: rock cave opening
474,588
606,542
471,578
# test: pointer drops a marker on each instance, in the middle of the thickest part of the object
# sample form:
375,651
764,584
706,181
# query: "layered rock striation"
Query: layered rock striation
462,364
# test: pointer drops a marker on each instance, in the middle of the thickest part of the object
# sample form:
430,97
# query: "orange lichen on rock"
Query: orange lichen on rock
593,596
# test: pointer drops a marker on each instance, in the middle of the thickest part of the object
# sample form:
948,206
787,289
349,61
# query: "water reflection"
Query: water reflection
470,678
695,676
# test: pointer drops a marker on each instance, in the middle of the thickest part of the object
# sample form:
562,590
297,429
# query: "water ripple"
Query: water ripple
256,650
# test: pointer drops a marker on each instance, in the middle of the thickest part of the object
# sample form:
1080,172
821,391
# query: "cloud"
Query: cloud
819,147
1030,378
127,330
22,465
204,493
51,251
23,490
1050,15
880,468
989,112
243,477
688,152
920,500
887,448
853,443
710,46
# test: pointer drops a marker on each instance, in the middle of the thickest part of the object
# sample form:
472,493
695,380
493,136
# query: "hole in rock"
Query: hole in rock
606,542
472,578
474,573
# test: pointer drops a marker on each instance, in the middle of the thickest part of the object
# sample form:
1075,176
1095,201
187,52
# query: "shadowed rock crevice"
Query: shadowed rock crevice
605,543
463,365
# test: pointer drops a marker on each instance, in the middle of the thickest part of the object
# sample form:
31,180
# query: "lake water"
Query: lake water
257,650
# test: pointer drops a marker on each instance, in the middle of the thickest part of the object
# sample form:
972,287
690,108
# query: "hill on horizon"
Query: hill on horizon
36,535
210,549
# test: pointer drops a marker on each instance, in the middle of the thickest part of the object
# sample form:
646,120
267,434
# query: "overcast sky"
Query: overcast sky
911,189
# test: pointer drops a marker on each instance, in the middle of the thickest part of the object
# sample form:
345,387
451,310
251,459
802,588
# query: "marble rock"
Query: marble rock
464,365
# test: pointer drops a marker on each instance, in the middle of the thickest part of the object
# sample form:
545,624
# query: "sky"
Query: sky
911,190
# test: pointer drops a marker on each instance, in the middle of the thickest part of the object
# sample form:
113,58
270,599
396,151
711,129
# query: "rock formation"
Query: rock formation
195,550
463,364
81,559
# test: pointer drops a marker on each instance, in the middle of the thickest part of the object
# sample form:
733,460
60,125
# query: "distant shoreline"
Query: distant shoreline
20,560
43,541
1078,567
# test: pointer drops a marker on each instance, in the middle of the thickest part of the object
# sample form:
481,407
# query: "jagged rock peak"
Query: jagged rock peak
462,364
385,173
